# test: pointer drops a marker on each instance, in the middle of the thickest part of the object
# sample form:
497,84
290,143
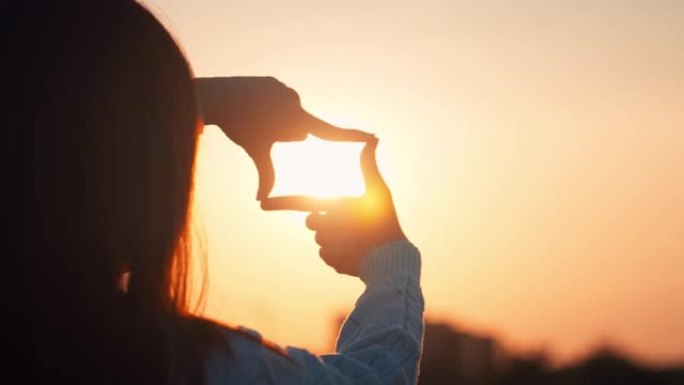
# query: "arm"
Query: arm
389,314
381,340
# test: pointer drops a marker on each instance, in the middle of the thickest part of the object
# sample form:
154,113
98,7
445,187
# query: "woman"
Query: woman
103,128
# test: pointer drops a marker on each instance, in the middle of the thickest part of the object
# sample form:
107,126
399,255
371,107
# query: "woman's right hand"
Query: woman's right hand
348,228
256,112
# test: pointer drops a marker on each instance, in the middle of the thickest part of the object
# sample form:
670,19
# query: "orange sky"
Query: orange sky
534,150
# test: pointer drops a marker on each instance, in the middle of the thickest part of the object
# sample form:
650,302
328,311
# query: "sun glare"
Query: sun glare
317,168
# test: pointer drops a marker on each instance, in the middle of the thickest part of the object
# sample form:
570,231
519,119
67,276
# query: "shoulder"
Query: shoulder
243,339
250,358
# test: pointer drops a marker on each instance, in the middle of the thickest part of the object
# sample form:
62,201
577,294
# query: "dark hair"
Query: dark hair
103,132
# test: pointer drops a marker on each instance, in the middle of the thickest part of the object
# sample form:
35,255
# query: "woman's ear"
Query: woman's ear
124,277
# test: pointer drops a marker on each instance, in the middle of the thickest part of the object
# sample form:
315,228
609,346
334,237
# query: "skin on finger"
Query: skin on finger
336,219
327,131
314,220
369,168
261,156
266,178
300,203
293,202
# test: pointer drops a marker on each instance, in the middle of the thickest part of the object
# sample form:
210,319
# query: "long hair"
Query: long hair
103,132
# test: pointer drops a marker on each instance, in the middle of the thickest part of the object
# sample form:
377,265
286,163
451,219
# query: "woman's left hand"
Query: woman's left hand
348,228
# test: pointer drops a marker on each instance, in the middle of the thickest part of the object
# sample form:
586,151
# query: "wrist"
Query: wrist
214,98
395,257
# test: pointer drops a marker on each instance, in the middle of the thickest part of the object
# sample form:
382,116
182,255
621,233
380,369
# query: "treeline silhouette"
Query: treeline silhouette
456,357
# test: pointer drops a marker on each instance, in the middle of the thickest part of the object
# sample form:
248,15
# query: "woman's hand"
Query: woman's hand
348,228
256,112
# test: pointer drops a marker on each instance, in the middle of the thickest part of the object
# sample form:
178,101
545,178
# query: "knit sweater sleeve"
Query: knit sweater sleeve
384,332
380,341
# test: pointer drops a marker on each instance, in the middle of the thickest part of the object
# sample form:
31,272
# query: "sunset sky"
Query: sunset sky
535,150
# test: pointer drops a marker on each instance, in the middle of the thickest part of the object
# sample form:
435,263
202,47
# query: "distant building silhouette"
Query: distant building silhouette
455,357
452,356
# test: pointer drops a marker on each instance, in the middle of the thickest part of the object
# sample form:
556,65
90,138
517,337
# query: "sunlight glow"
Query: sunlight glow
318,168
526,144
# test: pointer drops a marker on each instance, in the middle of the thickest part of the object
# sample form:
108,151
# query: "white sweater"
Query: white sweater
379,343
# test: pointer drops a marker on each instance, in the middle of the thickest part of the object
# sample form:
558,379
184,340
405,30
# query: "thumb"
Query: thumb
262,160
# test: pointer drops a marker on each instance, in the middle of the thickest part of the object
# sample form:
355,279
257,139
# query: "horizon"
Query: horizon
534,152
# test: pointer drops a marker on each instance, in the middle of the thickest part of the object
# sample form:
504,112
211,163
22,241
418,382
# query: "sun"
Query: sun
317,168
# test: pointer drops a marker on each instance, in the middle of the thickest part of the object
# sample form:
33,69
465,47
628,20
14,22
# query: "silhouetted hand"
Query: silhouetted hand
256,112
347,228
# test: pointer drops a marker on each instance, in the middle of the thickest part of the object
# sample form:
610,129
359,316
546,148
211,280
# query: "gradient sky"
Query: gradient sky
534,149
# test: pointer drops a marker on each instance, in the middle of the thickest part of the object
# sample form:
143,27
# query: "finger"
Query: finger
337,218
264,165
327,131
336,238
369,168
298,203
314,220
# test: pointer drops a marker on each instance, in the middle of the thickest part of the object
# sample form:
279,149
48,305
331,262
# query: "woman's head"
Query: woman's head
115,139
104,135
